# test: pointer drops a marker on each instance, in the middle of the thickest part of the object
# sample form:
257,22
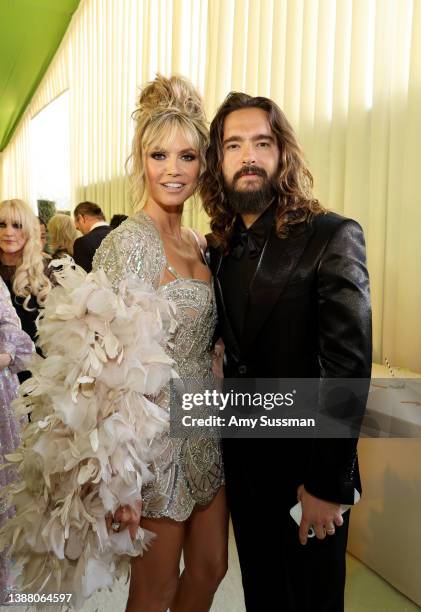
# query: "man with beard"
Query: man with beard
293,302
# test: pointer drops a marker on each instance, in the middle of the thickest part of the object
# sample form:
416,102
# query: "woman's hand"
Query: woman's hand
218,362
5,360
125,516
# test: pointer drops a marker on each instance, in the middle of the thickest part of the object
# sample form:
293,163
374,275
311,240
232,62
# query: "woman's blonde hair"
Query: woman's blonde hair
29,277
62,233
164,106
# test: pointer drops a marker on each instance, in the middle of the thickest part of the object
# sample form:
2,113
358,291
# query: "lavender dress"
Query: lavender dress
19,346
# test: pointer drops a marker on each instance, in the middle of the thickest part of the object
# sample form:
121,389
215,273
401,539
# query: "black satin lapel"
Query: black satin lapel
279,259
230,339
214,258
218,264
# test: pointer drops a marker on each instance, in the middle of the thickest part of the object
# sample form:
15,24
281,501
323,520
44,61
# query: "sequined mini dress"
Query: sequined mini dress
188,471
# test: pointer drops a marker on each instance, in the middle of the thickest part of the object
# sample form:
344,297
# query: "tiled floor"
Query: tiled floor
365,592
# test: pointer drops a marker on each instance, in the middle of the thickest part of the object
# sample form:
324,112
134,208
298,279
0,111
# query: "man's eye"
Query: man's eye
232,146
263,144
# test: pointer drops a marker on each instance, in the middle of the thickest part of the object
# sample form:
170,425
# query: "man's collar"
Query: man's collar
265,220
253,237
98,224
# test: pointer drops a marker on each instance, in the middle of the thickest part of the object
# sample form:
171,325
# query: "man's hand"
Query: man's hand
319,514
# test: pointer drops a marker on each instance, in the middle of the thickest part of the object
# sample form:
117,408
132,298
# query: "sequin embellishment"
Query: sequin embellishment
188,471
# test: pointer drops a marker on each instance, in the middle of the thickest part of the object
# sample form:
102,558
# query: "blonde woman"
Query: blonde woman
21,262
185,504
63,234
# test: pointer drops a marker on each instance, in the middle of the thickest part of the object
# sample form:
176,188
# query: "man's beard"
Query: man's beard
250,201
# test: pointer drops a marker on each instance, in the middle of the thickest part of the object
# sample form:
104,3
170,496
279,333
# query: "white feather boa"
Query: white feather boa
93,432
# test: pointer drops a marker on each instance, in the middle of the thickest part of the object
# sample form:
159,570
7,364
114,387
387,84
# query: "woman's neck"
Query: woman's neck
167,220
11,259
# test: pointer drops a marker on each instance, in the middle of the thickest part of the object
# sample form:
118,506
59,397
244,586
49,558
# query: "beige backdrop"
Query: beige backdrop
347,73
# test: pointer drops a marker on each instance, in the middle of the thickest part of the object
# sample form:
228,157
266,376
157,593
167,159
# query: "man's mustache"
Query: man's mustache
249,170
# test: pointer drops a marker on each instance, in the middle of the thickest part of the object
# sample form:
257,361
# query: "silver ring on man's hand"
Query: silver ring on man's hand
115,526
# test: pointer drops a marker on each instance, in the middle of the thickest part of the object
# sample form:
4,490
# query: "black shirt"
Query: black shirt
239,266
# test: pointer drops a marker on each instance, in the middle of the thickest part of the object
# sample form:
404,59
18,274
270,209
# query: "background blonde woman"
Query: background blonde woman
21,262
63,234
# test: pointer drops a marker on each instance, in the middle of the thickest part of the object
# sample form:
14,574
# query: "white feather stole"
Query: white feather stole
93,432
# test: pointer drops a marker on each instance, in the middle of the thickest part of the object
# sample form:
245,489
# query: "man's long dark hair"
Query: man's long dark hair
293,181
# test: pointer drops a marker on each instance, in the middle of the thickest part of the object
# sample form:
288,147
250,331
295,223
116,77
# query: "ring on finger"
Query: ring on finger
115,526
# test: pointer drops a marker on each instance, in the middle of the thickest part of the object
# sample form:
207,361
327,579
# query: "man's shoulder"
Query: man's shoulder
100,230
97,234
323,226
79,241
105,227
82,243
330,223
329,219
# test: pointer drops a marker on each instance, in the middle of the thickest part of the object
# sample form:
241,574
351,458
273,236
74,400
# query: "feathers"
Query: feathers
95,429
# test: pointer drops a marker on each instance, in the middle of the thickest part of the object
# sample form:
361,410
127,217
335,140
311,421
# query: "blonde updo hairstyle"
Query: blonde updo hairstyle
62,233
29,277
164,106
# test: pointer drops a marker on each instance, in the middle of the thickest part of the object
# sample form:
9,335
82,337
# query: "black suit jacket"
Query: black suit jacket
308,316
84,247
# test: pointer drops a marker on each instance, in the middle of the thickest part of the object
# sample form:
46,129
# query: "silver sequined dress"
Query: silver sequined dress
188,471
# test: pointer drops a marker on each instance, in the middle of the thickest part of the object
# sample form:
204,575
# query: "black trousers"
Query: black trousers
279,573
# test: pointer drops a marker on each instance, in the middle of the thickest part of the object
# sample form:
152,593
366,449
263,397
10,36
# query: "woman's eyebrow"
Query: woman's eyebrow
157,149
163,150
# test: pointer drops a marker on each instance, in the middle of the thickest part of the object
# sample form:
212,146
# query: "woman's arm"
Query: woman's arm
16,347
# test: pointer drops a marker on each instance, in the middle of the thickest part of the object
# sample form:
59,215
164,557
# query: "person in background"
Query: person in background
90,221
44,237
21,262
16,349
63,235
117,220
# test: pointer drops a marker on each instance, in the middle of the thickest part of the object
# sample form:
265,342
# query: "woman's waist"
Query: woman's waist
199,366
